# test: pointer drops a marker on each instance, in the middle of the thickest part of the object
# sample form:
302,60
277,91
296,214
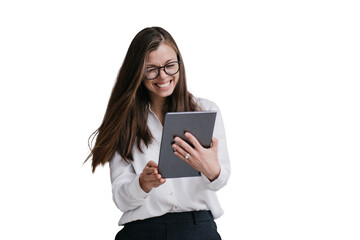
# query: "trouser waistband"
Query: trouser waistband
179,217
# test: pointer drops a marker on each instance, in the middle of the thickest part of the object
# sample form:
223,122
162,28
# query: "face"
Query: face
164,85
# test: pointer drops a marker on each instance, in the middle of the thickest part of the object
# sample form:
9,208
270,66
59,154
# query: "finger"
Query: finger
162,181
157,180
180,151
150,170
181,156
184,145
151,177
193,140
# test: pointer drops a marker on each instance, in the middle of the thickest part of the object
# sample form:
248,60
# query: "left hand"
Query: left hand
205,160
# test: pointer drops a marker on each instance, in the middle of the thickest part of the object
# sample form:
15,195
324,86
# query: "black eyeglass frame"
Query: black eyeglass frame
164,67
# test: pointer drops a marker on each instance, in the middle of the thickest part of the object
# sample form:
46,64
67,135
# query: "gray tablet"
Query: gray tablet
200,124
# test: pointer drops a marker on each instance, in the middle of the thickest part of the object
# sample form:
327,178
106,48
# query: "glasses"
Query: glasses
170,68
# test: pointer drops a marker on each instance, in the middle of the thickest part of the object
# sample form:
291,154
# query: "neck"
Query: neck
157,106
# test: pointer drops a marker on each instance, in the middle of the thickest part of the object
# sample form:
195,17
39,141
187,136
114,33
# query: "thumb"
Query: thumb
214,143
152,164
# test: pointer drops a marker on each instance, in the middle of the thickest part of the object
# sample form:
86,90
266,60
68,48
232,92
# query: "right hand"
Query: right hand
150,177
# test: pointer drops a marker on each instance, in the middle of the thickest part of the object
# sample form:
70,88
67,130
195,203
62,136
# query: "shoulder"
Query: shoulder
205,104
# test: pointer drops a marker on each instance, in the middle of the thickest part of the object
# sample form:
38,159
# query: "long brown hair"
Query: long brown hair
125,120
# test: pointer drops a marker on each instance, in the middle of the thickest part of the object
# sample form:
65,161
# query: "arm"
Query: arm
213,163
223,156
126,190
130,190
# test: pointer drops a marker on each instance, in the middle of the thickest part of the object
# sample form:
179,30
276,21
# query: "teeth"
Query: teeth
163,85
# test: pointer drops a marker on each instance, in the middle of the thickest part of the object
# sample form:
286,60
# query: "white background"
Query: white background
284,73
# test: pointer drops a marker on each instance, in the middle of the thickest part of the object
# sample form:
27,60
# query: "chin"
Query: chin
164,95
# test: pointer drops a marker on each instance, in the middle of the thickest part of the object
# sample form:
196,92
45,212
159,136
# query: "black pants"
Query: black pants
197,225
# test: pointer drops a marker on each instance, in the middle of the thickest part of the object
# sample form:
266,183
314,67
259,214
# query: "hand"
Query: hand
150,177
205,160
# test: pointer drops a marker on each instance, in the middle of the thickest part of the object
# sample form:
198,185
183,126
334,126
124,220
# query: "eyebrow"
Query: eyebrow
170,60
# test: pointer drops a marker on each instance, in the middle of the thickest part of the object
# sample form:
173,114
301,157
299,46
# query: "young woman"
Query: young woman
150,83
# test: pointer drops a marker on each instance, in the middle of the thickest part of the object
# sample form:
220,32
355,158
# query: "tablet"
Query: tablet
200,124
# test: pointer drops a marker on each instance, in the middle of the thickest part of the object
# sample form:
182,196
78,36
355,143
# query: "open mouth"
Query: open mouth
163,85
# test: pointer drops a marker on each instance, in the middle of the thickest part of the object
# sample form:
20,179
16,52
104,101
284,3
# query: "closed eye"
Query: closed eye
151,69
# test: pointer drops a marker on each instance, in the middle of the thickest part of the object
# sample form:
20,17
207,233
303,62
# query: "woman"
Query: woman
150,83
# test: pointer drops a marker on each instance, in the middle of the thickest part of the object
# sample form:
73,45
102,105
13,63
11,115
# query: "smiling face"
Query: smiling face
164,85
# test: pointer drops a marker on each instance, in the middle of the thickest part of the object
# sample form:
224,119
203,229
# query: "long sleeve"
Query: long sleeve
127,193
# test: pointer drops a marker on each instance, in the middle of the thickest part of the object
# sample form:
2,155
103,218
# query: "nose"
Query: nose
162,74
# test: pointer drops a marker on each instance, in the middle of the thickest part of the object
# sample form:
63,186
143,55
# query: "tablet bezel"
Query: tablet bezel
200,124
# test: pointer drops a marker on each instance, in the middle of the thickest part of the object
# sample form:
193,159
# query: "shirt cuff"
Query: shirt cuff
217,183
136,191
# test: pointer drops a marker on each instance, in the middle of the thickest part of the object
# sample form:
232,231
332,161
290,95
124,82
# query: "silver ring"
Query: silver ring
187,156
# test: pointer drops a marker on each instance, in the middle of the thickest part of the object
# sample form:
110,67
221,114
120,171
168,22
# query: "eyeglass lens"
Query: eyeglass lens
170,68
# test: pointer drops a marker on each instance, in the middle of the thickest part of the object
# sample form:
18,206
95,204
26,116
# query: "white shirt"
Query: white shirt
175,195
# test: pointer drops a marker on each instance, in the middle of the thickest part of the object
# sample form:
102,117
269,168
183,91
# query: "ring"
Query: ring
187,156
